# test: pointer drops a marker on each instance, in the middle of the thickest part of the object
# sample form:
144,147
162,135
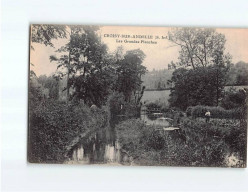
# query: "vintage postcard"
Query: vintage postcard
138,96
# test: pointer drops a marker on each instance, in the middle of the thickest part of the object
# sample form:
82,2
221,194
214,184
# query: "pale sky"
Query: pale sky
157,55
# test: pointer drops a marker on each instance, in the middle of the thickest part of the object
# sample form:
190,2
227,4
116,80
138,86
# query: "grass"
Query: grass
163,95
196,144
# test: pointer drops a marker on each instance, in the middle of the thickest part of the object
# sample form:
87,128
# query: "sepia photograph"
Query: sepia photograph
138,96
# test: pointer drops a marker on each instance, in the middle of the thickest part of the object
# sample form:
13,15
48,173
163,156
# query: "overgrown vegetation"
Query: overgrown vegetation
196,144
53,126
237,74
216,112
200,86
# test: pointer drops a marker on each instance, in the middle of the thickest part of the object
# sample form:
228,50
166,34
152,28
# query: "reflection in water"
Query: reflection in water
100,148
112,153
156,119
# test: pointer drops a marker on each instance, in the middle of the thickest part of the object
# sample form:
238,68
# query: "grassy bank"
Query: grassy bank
196,144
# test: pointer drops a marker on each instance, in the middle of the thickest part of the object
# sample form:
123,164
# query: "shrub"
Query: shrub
213,141
216,112
156,140
136,138
53,126
130,134
159,104
204,144
234,99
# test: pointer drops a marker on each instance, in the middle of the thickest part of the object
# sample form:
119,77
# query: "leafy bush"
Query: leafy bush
216,112
130,134
196,144
140,141
234,99
53,126
215,140
156,141
238,74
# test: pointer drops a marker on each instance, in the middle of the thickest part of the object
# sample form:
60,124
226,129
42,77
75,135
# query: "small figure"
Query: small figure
207,116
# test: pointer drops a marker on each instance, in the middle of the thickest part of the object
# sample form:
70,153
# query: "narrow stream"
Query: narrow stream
100,148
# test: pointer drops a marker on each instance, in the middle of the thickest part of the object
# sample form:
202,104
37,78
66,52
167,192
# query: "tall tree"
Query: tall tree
220,68
87,63
73,53
196,87
129,71
201,48
198,46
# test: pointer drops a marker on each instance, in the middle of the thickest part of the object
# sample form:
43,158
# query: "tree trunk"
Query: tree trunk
67,87
217,87
68,75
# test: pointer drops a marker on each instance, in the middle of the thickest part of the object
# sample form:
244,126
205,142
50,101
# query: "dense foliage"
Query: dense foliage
129,72
92,72
238,74
234,99
196,144
200,86
54,125
216,112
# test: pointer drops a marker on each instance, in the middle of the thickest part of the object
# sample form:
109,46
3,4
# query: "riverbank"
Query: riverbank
56,128
196,144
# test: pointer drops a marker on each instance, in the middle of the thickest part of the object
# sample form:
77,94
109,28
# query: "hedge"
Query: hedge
216,112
